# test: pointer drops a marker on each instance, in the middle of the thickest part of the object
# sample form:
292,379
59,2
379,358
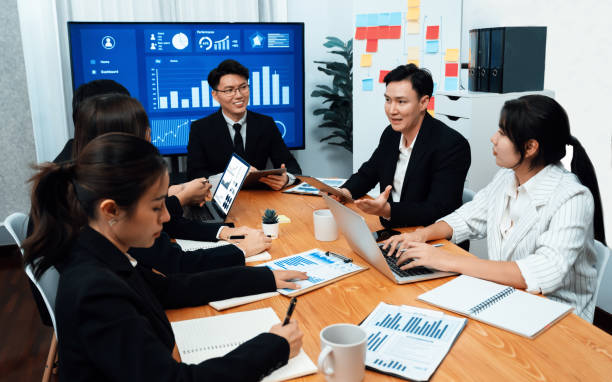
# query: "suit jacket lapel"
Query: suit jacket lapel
252,138
421,146
222,133
539,196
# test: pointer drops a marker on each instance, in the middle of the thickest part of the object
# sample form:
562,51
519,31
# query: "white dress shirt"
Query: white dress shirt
402,166
550,239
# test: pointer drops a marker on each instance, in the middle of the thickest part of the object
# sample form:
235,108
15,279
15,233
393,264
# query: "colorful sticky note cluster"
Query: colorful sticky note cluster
432,39
451,69
377,26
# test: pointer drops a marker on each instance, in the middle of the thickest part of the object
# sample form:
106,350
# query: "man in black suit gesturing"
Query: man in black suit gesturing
253,136
420,162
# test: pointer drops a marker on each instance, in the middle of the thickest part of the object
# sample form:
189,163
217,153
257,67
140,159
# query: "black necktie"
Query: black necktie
238,143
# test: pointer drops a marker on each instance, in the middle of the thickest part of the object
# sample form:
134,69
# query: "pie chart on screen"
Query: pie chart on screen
180,41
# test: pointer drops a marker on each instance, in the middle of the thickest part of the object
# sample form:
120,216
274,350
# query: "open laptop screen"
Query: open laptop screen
230,183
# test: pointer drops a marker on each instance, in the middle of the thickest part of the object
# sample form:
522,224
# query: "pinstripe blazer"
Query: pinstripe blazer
552,243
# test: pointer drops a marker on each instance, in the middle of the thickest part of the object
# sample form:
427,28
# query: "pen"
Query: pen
290,310
236,237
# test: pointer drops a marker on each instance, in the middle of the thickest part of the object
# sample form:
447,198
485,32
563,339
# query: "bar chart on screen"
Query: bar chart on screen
178,84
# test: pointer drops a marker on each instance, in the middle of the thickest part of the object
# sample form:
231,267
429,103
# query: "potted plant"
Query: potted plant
338,114
269,223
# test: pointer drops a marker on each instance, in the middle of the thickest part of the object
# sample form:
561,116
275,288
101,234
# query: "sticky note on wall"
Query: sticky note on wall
361,33
372,46
451,83
361,21
367,84
414,53
414,3
433,32
366,60
395,32
451,70
413,27
395,18
373,19
452,55
384,18
413,13
432,103
416,62
382,74
432,46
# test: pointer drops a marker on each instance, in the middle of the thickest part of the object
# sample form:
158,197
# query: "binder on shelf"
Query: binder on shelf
507,59
472,66
484,43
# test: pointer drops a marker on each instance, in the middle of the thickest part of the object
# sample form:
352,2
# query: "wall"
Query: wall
322,18
17,138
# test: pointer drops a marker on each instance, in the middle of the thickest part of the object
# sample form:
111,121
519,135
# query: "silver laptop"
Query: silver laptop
218,208
361,241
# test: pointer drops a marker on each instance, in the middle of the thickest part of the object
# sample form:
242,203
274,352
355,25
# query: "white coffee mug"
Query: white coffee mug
325,227
343,351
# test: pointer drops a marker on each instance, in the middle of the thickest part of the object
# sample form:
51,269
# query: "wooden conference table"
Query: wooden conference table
570,350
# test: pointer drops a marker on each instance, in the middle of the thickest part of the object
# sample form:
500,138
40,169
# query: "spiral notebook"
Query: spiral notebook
499,305
205,338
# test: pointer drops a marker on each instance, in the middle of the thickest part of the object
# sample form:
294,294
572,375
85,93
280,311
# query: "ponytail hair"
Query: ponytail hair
541,118
583,168
65,196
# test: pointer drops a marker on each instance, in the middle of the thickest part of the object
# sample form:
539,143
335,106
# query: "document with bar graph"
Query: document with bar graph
322,268
409,342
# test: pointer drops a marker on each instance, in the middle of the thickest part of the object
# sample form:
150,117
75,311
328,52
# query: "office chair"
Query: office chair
468,195
603,255
17,225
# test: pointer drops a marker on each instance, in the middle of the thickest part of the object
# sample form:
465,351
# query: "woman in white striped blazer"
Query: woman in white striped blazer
539,219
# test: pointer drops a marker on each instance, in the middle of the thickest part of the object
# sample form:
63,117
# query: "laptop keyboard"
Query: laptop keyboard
392,261
201,213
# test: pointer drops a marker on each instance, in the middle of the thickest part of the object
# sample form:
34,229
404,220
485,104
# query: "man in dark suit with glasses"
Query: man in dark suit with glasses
253,136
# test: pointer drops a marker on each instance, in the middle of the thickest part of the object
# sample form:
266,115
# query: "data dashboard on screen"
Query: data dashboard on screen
166,65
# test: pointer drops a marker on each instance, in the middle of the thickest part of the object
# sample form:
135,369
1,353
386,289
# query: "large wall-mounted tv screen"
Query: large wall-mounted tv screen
166,65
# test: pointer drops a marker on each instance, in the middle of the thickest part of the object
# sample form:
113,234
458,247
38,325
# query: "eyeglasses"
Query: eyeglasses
244,88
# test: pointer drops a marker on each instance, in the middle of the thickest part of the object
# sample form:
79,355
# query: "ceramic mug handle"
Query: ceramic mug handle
327,370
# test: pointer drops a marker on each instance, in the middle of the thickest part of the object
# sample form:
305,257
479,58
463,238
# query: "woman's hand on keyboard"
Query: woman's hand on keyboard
396,244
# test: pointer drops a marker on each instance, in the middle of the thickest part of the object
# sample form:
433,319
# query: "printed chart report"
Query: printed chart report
320,268
407,341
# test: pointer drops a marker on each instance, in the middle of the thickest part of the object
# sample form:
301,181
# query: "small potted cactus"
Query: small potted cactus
269,223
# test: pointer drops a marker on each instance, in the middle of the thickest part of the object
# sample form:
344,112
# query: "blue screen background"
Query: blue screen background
165,66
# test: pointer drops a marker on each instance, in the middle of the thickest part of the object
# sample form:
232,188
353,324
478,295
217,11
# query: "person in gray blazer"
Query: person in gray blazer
540,220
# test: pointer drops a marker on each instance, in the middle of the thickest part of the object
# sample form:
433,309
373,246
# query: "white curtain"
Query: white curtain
47,56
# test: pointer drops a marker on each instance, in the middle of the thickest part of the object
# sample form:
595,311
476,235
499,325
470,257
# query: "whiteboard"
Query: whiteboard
369,119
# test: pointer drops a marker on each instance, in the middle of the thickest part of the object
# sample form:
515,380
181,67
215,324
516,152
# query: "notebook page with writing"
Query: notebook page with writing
192,245
523,313
204,338
462,293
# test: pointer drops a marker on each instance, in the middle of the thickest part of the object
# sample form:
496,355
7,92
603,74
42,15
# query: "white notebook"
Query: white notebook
192,245
498,305
236,301
204,338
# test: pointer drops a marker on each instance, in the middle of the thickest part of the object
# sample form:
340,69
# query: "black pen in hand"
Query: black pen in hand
236,237
290,310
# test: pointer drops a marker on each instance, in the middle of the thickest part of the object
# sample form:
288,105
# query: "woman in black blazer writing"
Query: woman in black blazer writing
109,308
